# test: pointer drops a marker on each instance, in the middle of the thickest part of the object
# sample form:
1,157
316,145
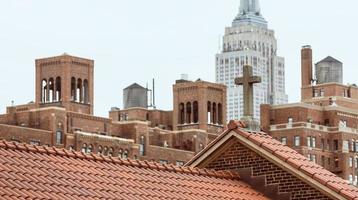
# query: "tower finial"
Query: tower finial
250,13
250,6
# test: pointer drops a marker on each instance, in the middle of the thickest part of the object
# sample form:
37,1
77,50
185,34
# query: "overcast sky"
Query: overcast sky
137,40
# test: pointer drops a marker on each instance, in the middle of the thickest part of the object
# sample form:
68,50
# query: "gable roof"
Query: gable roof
329,59
285,157
40,172
134,85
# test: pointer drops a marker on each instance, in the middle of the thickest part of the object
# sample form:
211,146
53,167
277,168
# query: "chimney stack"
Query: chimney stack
306,66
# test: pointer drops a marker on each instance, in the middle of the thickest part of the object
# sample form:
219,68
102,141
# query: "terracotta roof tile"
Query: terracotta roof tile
28,172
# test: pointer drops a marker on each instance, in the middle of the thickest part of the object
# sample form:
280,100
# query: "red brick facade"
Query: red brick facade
323,126
62,116
239,157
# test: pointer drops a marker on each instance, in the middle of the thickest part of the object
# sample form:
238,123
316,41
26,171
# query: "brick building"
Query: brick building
62,116
323,126
238,164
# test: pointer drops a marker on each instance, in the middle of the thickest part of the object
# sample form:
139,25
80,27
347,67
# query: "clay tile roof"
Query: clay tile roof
290,156
32,172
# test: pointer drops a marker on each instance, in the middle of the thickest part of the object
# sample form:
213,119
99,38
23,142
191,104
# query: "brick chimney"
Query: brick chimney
306,66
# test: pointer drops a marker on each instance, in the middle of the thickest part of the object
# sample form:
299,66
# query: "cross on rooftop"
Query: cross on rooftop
248,80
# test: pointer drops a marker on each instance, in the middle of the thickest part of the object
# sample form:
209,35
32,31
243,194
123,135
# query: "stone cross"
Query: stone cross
248,80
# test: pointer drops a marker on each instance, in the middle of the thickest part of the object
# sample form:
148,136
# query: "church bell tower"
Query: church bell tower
65,81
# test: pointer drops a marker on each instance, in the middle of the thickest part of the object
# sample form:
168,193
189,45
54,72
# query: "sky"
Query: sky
137,40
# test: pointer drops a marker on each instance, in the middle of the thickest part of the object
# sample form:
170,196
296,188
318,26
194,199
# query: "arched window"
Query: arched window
58,89
181,114
44,91
105,151
196,112
220,114
85,92
142,146
51,90
110,152
73,89
99,152
59,137
84,148
79,91
90,148
125,154
214,114
188,113
209,113
120,153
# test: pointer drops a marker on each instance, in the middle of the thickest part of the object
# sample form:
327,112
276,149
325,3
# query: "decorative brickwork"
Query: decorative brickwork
240,157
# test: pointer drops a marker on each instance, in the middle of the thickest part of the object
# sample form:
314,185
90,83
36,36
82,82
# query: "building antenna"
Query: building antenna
219,44
153,92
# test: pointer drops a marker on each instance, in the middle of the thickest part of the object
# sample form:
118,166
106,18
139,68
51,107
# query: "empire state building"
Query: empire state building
249,41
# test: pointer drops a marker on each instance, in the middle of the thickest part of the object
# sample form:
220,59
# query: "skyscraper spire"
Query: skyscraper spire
250,13
250,6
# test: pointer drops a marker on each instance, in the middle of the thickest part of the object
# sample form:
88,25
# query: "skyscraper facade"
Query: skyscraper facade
249,41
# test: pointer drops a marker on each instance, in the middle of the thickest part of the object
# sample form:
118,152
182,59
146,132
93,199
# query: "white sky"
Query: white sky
137,40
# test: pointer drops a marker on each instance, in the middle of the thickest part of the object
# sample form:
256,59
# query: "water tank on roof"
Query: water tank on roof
329,70
135,96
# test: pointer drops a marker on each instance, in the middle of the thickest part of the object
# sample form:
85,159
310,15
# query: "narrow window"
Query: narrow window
335,145
350,160
309,141
297,141
142,146
59,137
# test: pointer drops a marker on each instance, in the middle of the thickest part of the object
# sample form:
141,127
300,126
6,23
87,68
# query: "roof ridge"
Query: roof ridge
116,160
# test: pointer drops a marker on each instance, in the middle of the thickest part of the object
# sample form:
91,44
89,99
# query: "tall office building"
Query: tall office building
249,41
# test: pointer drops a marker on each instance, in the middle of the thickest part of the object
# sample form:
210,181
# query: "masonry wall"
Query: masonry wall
26,135
240,157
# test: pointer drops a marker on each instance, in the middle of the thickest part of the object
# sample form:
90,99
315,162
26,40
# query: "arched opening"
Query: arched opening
214,117
51,90
181,114
100,149
188,113
58,89
120,153
220,114
196,112
110,152
105,151
44,91
209,112
84,148
85,92
73,89
90,148
142,146
125,154
79,90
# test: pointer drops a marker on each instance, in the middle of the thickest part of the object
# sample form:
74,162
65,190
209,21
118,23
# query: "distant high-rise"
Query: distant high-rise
249,41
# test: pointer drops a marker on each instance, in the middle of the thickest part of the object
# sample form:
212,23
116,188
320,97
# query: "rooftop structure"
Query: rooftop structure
62,116
323,126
